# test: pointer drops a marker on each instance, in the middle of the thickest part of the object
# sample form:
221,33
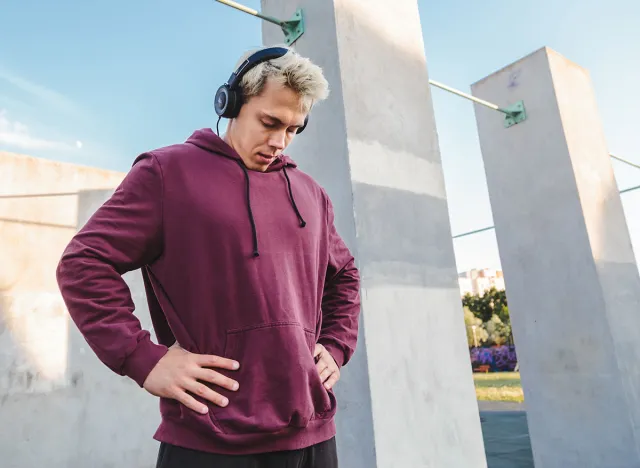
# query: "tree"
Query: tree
470,322
492,314
485,306
498,332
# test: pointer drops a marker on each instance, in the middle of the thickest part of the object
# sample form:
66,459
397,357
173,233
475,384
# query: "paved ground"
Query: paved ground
506,436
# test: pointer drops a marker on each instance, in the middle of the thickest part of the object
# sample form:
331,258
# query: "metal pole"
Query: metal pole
477,231
471,98
630,189
40,195
251,11
488,228
624,161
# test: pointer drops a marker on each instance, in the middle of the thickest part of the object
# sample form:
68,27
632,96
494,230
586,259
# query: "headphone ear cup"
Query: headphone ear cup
221,101
301,129
227,102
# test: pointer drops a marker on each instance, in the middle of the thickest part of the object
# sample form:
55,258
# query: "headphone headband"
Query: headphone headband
257,58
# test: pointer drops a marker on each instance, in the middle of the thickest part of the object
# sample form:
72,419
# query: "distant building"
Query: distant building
477,281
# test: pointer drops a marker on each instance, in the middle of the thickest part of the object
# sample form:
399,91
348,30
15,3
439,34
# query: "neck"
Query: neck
227,137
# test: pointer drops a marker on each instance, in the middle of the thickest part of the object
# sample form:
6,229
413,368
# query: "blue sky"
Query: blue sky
96,83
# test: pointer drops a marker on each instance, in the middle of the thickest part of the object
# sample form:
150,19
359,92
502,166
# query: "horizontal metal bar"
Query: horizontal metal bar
488,228
477,231
488,104
37,223
251,11
624,161
630,189
38,195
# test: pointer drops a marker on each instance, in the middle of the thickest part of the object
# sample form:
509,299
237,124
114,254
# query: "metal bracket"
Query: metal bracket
516,113
294,28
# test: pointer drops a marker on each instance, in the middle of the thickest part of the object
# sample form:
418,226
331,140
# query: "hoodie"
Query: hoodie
236,263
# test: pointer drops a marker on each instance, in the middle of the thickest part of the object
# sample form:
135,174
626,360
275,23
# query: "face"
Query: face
265,125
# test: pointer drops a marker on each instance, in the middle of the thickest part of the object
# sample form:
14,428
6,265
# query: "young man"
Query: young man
253,295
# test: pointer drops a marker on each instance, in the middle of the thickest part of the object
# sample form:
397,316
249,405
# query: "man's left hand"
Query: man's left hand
326,366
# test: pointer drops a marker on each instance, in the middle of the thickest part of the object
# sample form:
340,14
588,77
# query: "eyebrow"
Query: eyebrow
277,120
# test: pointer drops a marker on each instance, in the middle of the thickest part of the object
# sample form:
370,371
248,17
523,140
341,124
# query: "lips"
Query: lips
266,158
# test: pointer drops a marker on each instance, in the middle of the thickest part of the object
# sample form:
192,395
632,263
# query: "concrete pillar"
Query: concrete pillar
572,281
407,399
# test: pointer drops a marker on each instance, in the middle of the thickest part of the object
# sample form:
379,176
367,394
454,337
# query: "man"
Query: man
253,295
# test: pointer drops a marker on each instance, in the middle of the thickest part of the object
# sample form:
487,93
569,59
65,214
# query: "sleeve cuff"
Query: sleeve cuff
142,360
334,350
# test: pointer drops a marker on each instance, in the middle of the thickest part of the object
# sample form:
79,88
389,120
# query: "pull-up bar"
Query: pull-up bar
489,228
514,114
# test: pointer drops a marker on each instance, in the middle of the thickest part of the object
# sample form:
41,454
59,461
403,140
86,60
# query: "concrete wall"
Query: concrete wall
59,406
373,145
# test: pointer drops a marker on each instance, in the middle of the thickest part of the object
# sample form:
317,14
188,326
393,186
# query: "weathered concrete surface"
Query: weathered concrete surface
95,418
373,146
33,233
59,406
570,272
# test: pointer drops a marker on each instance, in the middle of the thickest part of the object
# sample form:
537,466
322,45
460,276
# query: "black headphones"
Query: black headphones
229,100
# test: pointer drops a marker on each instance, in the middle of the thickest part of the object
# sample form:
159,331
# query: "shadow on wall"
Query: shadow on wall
33,343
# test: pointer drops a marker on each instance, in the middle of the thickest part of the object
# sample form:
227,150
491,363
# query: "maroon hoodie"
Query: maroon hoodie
237,263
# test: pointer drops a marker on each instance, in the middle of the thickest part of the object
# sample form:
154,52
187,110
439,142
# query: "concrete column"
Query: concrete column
407,399
571,278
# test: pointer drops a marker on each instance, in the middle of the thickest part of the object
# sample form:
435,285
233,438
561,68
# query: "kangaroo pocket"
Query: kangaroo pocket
279,384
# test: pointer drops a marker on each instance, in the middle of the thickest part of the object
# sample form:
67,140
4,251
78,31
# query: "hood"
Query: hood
207,140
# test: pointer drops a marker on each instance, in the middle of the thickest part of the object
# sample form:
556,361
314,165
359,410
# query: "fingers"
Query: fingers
209,360
190,402
216,378
327,369
326,373
331,381
205,392
321,365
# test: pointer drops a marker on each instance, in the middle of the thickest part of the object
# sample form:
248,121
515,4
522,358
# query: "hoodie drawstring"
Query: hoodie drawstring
303,223
253,223
254,231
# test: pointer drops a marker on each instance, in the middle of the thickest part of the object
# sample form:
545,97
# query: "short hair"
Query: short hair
292,70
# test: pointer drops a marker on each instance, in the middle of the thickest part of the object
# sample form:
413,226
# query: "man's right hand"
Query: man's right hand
179,372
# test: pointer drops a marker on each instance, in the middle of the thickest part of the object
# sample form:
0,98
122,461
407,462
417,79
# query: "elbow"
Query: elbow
64,269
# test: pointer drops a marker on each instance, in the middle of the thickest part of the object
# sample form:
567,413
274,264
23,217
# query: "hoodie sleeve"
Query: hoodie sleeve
124,234
341,298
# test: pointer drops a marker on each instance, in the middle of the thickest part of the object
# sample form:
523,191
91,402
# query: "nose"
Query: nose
277,140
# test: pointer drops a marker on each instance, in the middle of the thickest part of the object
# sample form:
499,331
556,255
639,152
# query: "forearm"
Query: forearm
340,314
100,304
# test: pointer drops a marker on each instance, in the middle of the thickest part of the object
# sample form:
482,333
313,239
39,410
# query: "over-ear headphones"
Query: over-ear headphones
229,100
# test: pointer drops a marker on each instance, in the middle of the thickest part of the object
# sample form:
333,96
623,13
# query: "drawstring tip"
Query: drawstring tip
303,223
256,253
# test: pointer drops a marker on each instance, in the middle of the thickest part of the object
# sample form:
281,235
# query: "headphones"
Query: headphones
229,100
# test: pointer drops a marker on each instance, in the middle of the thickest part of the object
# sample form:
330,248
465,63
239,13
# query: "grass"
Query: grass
498,386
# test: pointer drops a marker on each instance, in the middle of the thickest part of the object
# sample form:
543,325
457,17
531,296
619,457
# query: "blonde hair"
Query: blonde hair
292,70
